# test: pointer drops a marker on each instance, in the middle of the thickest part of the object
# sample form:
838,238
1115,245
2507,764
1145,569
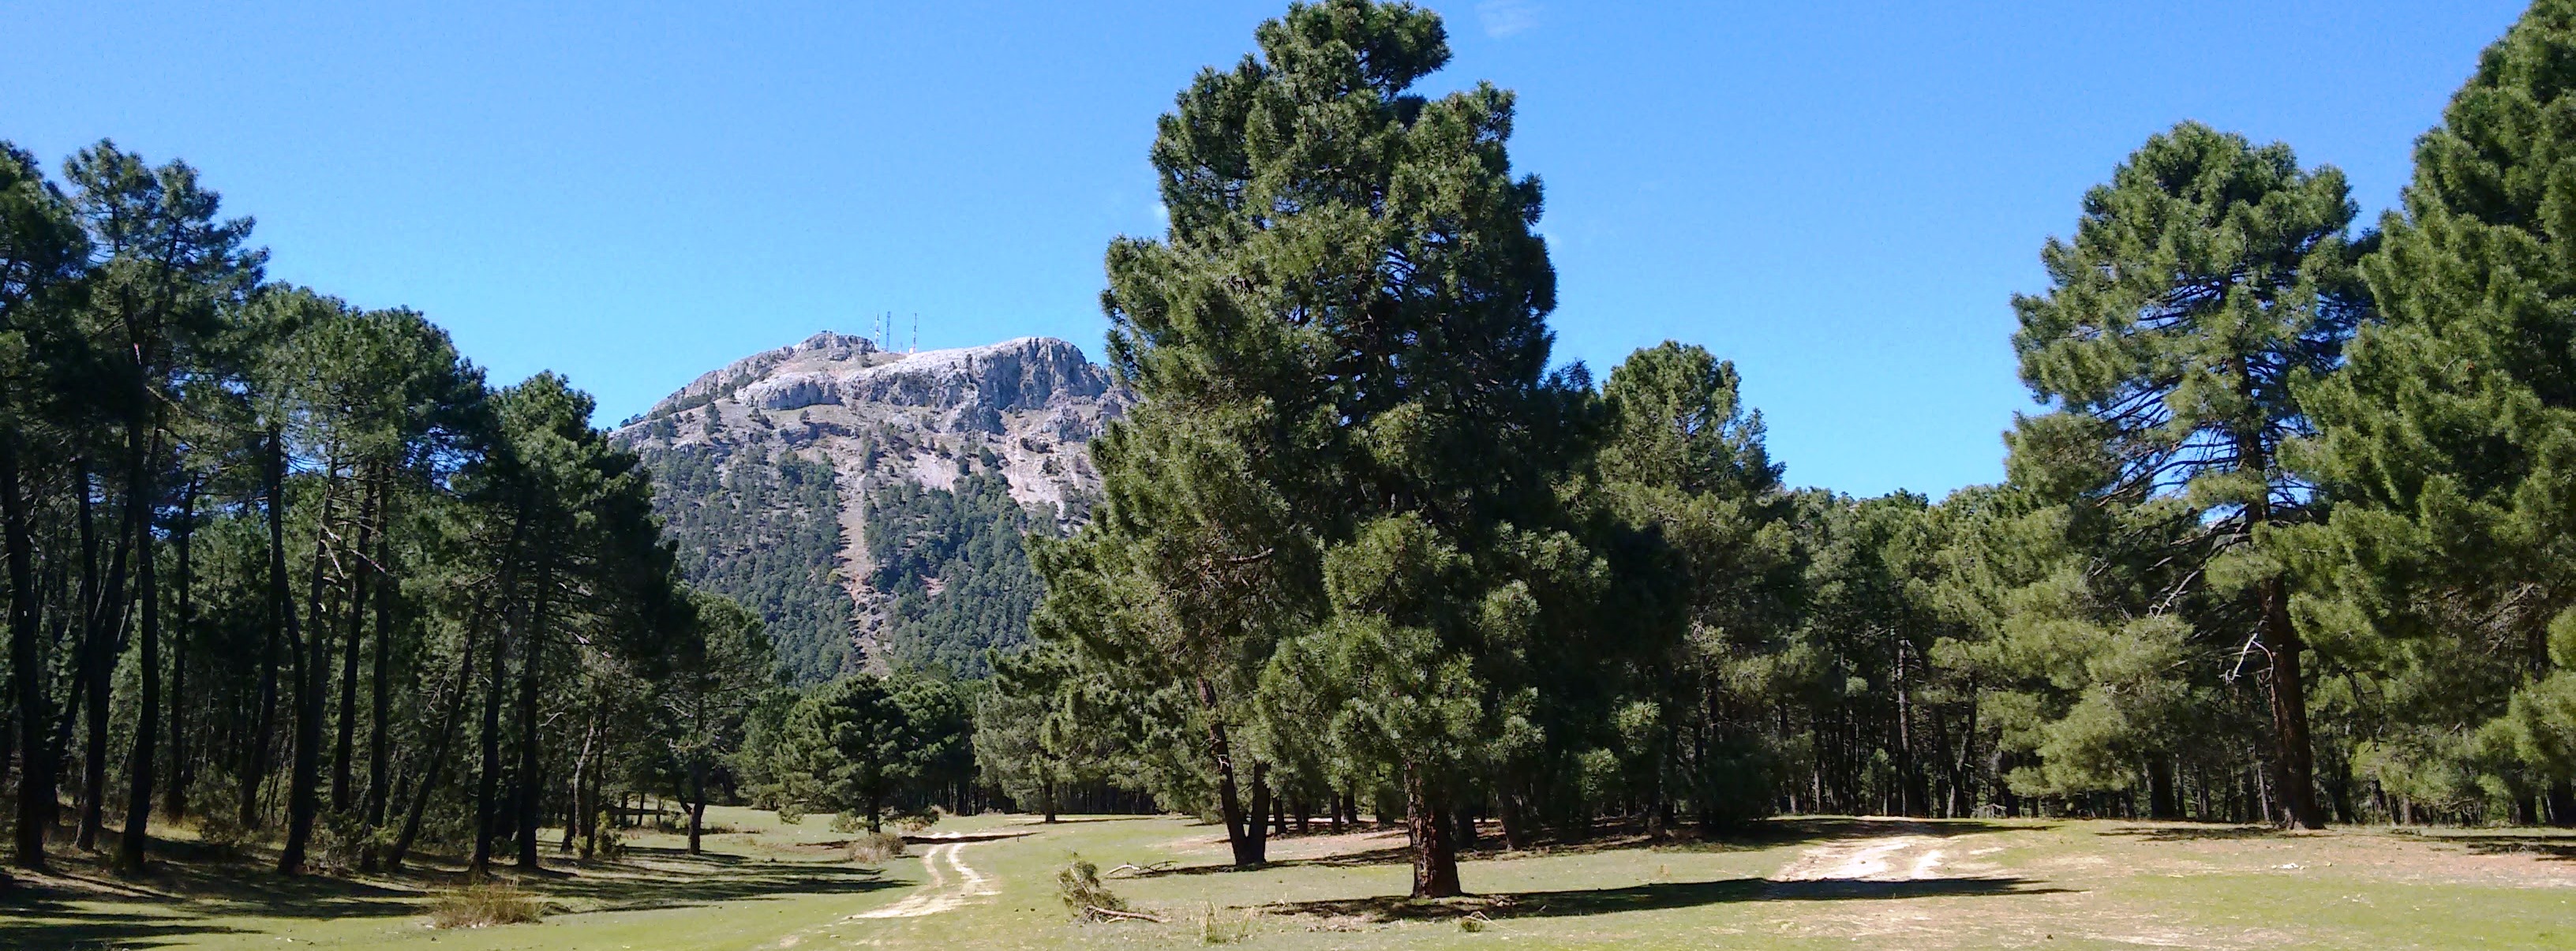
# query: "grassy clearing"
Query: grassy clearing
992,882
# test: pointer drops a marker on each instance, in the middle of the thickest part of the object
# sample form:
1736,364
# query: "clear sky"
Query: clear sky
1841,197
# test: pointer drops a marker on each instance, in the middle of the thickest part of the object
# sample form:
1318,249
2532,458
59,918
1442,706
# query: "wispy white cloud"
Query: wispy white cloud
1506,18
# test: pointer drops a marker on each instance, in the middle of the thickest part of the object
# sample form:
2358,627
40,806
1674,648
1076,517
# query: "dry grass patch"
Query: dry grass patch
485,903
875,848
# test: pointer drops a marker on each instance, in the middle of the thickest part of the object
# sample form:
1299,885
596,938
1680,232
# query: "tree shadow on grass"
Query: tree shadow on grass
1654,897
2198,833
88,931
682,880
177,901
2553,847
1766,834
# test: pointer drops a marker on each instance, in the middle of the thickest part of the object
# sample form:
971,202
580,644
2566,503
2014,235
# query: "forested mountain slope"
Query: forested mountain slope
860,497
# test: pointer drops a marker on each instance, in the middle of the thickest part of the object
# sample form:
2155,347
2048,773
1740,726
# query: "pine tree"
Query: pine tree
2203,282
2449,441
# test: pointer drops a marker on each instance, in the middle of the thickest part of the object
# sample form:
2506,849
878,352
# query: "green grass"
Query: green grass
1992,884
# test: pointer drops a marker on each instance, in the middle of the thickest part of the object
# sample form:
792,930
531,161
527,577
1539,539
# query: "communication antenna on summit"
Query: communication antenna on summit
916,335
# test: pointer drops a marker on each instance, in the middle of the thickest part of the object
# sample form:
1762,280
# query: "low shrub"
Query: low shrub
485,903
875,847
1078,885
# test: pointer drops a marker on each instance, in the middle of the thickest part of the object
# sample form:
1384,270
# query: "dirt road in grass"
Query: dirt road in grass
946,889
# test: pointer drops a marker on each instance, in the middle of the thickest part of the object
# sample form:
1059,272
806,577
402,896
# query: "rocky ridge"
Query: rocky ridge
1020,409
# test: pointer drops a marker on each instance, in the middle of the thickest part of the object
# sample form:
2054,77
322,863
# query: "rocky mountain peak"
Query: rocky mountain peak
1021,410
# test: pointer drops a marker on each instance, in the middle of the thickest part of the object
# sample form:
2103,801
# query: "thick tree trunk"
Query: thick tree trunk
1256,825
26,664
2161,801
147,727
2297,766
698,806
1427,822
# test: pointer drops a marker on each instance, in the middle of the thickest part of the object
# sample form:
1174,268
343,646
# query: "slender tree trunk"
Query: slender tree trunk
1435,857
1247,847
312,677
147,728
379,755
361,580
531,664
174,803
281,632
106,627
447,725
26,664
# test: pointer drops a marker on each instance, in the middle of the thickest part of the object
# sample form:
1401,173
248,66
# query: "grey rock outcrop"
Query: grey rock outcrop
1021,408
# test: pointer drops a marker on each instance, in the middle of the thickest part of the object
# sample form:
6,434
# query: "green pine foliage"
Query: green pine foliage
765,531
953,564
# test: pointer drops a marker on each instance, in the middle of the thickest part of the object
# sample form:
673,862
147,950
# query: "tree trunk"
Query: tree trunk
360,581
487,784
26,664
174,802
438,748
2161,801
1248,850
531,658
2298,791
147,727
698,805
312,676
281,627
1435,857
379,755
106,624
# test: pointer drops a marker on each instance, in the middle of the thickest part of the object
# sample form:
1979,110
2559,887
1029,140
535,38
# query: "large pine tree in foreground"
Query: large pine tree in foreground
2204,281
1341,349
2449,443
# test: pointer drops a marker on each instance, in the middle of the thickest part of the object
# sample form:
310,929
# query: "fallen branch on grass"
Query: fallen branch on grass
1116,915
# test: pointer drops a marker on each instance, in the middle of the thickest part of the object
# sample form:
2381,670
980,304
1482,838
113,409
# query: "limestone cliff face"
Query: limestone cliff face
1022,409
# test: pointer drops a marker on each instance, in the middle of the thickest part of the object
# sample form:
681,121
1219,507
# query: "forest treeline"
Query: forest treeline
2286,538
289,572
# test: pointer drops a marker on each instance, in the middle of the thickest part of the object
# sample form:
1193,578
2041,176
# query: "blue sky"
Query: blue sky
1841,197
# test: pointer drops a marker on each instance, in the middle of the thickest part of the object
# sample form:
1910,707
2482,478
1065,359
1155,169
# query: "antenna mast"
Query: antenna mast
916,335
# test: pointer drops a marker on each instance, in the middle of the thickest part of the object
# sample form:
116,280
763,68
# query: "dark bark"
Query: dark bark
438,746
139,500
531,665
2297,763
26,664
312,675
2161,801
282,624
106,624
380,702
1427,822
1248,848
698,805
361,581
174,795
